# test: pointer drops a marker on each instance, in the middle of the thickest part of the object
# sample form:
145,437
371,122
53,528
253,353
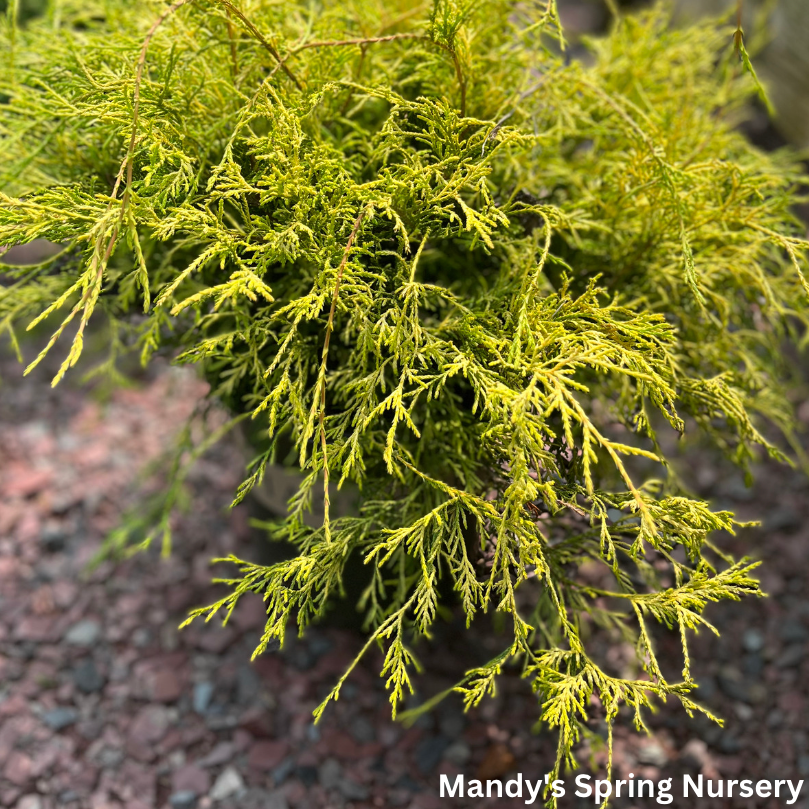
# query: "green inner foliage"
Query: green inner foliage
430,256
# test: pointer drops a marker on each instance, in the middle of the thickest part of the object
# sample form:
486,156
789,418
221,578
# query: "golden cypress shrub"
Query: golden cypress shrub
439,260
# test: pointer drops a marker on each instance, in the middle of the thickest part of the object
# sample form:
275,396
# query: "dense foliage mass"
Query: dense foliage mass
433,257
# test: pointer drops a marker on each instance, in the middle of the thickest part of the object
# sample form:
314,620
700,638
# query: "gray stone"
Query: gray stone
184,799
650,752
203,693
794,632
221,754
753,640
302,658
753,665
29,802
452,724
731,683
458,753
228,784
247,685
85,633
429,752
352,791
729,744
329,773
406,782
362,729
791,656
275,800
283,770
319,645
60,718
86,676
110,757
141,637
53,537
783,518
257,798
306,775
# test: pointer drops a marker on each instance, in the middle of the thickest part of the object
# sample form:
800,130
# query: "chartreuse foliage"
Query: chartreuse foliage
446,264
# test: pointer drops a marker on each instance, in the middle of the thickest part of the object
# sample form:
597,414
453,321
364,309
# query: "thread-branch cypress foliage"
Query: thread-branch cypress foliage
446,264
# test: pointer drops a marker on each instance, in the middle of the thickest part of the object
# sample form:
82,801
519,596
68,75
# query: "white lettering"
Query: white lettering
795,791
664,791
477,786
457,787
518,788
580,779
687,782
601,795
533,790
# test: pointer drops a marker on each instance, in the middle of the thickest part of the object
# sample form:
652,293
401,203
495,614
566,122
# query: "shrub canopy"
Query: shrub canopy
440,260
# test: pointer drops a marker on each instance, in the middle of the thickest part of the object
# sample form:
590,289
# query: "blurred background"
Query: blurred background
104,704
776,33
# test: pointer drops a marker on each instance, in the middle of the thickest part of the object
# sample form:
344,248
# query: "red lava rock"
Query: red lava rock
257,722
215,639
167,686
44,760
476,734
149,725
27,483
180,597
338,744
308,758
191,777
140,751
791,702
295,792
730,766
15,704
332,664
37,628
171,741
426,800
18,768
242,739
8,797
265,755
270,669
410,738
221,754
138,782
194,734
9,567
250,613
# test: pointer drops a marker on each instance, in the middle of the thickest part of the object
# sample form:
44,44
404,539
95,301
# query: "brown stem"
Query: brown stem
232,37
461,81
341,43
